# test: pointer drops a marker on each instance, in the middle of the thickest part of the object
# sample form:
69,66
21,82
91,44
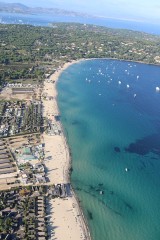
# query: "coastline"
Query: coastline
59,170
67,218
122,60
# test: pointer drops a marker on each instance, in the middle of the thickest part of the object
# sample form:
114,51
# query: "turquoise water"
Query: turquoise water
110,111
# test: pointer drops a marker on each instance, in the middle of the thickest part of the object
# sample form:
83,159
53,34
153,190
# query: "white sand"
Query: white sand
66,217
66,220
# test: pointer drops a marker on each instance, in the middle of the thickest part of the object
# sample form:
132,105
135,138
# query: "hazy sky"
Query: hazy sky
127,9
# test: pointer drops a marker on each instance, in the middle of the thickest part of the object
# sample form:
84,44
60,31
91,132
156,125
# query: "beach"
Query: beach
67,220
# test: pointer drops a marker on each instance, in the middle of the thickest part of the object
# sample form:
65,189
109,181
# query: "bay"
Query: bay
110,111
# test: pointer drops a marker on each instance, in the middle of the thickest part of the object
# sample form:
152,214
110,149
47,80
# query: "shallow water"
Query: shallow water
110,111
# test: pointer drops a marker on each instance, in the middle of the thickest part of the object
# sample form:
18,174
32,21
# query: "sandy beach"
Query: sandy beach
67,221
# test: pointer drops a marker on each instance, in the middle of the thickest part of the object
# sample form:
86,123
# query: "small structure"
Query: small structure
22,90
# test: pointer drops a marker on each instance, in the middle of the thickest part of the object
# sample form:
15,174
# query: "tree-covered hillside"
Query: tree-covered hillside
27,52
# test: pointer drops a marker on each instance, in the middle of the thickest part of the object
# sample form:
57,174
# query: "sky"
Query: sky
143,10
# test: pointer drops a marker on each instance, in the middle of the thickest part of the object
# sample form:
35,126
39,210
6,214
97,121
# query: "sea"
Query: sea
110,111
47,19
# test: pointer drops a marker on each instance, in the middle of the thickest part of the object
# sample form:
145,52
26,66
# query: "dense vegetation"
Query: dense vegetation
27,52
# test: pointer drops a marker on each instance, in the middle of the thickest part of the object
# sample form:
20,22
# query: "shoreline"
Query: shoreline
58,170
120,59
79,208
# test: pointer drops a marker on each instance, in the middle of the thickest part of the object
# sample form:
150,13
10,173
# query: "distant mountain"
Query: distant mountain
21,8
13,7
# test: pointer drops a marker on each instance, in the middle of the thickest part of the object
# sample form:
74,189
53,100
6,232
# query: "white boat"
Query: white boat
101,192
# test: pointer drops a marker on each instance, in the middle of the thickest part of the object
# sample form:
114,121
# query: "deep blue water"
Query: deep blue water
45,20
110,111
